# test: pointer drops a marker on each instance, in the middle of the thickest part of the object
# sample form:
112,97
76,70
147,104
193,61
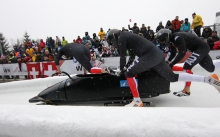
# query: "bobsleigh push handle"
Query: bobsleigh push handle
63,73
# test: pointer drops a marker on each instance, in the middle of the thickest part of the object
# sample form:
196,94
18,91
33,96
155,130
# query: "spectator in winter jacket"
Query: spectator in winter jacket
211,40
104,42
114,52
78,40
160,26
185,26
87,36
57,40
169,25
149,31
197,23
123,29
207,32
42,45
135,29
39,57
101,34
176,24
94,36
106,52
64,41
144,30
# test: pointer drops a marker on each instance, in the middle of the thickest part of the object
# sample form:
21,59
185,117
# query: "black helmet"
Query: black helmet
164,35
112,37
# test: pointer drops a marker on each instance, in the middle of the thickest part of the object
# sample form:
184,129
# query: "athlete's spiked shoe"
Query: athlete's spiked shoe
181,93
214,81
136,103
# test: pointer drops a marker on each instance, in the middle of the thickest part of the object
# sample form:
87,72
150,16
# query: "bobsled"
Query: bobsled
101,87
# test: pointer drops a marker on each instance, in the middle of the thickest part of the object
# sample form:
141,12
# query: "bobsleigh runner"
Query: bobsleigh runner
106,88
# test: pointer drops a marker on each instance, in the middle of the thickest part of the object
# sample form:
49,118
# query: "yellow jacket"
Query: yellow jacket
197,21
30,52
101,35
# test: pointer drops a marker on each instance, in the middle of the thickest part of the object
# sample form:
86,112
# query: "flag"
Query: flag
49,68
34,70
130,20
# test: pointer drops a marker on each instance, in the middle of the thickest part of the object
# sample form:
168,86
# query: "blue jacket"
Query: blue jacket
185,27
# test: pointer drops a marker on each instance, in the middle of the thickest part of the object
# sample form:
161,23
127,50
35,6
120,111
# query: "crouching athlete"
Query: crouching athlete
81,53
148,57
183,41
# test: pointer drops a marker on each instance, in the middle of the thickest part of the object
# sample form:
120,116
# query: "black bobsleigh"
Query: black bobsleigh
101,87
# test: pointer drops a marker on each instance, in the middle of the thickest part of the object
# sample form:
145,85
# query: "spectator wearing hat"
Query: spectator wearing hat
78,40
185,26
176,24
211,40
106,52
123,29
101,34
197,23
207,32
114,52
143,31
149,31
160,26
169,25
135,29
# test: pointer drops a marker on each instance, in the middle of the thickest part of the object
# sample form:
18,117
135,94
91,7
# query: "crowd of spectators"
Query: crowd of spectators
38,51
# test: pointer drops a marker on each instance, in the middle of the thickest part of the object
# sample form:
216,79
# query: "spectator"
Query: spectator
48,45
114,52
101,34
39,57
197,23
176,24
123,29
135,29
57,40
78,40
169,25
149,31
104,42
12,58
27,58
74,41
84,40
143,31
47,56
30,51
216,45
211,40
94,36
106,52
160,26
87,36
185,26
207,32
42,45
64,41
97,45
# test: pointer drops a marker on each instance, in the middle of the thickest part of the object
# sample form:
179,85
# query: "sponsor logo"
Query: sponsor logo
124,83
79,68
7,70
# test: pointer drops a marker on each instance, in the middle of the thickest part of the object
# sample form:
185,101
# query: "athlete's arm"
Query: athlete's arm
172,53
131,59
122,43
181,45
57,62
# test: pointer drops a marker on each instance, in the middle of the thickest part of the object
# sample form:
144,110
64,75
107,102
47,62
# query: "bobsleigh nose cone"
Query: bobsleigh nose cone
35,99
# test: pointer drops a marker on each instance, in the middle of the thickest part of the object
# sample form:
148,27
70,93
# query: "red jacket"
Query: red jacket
79,41
216,45
176,24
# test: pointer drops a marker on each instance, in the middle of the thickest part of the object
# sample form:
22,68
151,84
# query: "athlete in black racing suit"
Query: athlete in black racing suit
81,53
183,42
148,56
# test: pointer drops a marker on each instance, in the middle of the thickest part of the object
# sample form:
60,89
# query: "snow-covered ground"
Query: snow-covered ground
196,116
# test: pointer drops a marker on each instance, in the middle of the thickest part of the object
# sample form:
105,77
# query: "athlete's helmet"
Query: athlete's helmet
164,35
112,37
